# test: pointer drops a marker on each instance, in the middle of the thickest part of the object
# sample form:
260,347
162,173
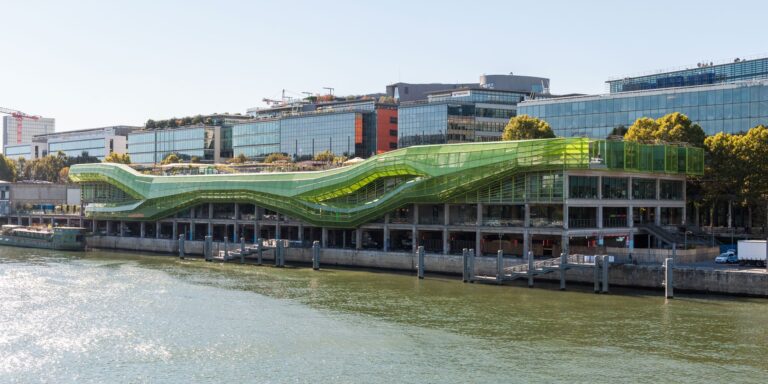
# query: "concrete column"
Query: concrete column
235,232
69,222
94,225
629,188
256,231
600,187
597,273
386,239
564,243
122,229
526,242
563,267
669,291
565,216
478,243
174,230
191,230
192,212
277,226
630,217
606,266
657,219
530,269
143,230
210,229
446,243
107,227
324,237
499,266
446,214
414,232
301,232
685,203
316,255
527,216
479,214
157,229
359,238
599,216
420,256
237,211
210,210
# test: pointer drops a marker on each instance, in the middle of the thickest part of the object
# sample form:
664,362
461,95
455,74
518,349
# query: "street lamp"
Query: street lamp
685,242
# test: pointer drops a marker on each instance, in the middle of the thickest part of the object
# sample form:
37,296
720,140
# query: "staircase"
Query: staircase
695,235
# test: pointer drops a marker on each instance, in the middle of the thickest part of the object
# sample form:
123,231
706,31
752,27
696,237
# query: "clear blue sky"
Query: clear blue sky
98,63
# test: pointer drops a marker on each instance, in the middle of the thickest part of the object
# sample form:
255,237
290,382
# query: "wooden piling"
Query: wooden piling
316,255
181,247
420,256
499,266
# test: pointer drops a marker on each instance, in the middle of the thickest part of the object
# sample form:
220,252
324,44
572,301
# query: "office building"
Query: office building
702,74
18,136
361,127
96,142
725,103
456,116
405,92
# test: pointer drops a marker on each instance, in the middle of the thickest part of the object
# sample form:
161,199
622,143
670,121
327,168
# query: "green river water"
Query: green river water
118,317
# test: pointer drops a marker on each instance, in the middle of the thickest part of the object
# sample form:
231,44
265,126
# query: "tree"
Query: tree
172,123
239,159
170,159
325,156
83,158
118,158
194,159
671,128
618,131
150,124
186,121
275,157
161,123
7,169
198,119
64,175
525,127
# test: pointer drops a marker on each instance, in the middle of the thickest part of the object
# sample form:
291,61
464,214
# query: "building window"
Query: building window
393,119
614,217
582,187
644,189
615,187
392,145
393,132
406,90
671,189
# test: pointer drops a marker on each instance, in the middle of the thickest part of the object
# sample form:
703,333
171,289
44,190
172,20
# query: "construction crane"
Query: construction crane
20,116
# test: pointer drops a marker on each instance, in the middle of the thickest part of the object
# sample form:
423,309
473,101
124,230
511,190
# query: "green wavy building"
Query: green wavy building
439,196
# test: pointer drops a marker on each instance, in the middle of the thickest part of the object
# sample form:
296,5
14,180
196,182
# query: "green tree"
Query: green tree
187,120
194,159
239,159
7,169
170,159
161,123
671,128
150,124
325,156
618,131
119,158
198,119
172,123
275,157
525,127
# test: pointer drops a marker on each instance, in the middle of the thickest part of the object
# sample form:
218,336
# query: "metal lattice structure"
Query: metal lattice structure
350,196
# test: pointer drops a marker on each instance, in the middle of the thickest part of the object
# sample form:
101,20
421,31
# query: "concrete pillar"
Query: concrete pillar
465,260
191,230
359,238
210,211
565,216
563,267
530,269
629,188
420,255
657,219
174,230
527,216
414,231
242,250
260,250
630,217
471,265
669,291
478,242
181,247
69,223
210,229
499,266
94,225
324,232
157,229
386,239
446,242
235,232
526,242
685,205
237,212
208,248
315,255
277,226
122,229
600,187
597,273
143,229
606,266
480,214
599,216
107,227
301,233
446,214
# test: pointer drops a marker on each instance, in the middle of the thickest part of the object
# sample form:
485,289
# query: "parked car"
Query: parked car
727,258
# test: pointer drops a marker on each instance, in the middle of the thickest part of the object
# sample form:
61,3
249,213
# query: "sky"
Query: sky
99,63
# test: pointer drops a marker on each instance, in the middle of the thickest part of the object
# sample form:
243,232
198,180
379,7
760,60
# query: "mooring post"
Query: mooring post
242,250
471,265
606,266
420,258
316,255
669,290
499,266
279,254
563,266
530,269
181,247
597,273
465,259
208,248
260,250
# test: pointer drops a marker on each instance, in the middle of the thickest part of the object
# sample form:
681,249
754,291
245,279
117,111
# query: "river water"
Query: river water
117,317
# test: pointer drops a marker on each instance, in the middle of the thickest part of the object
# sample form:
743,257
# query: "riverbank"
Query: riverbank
686,278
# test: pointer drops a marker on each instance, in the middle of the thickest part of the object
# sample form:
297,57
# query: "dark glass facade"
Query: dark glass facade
729,108
457,116
154,146
703,74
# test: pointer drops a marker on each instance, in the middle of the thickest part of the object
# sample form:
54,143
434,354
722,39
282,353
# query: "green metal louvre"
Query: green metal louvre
349,196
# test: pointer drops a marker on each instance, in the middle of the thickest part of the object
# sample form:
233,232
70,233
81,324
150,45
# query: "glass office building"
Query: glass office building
466,115
97,142
729,107
17,152
201,142
350,129
703,74
29,129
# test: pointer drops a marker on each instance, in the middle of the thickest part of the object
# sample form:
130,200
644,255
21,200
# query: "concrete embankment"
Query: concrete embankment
721,281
